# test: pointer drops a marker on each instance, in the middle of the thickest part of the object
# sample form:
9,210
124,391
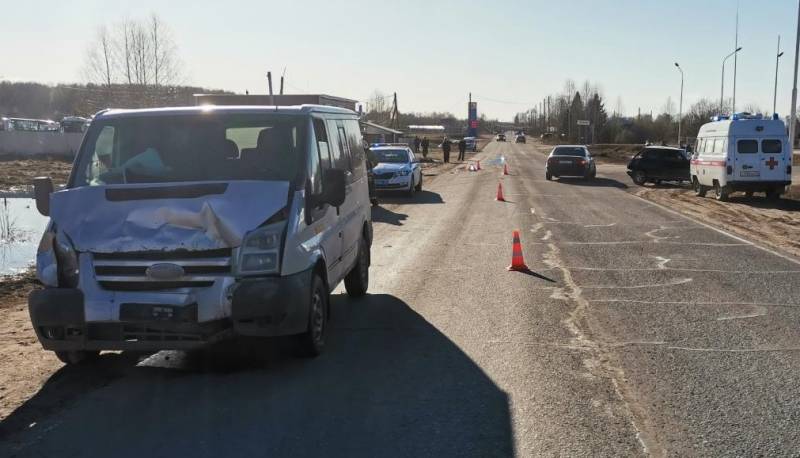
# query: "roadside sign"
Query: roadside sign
583,122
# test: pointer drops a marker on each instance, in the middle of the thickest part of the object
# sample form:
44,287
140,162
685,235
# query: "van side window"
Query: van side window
339,160
747,147
358,159
322,160
771,147
344,144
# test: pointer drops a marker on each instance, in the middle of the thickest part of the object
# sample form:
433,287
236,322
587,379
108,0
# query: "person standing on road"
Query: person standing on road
425,144
462,148
446,150
416,144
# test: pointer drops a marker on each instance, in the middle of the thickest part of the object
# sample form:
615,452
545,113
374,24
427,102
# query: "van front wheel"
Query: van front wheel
72,358
312,342
357,281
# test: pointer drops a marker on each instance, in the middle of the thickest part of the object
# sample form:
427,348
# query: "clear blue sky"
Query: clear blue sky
434,52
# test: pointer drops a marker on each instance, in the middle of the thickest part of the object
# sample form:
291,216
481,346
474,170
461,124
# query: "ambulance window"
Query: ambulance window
747,147
720,145
702,147
710,145
771,147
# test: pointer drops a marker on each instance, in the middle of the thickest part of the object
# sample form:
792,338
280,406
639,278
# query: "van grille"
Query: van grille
128,271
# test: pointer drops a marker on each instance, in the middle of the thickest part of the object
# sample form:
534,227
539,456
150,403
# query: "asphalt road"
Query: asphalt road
636,332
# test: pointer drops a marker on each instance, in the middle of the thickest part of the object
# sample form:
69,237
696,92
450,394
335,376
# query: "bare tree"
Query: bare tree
100,60
669,107
138,53
376,102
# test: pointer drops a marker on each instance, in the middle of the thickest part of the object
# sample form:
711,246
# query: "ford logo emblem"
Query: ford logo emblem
165,271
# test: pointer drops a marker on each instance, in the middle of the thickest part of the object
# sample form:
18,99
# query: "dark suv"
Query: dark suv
659,163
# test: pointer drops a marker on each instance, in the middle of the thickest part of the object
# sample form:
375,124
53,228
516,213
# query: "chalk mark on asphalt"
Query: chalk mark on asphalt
676,282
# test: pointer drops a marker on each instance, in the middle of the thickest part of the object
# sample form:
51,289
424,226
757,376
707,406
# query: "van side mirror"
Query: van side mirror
333,187
42,188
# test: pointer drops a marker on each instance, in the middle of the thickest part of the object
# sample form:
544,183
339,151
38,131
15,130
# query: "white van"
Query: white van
180,227
744,153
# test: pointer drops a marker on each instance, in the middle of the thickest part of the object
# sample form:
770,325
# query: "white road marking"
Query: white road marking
718,230
677,281
708,304
759,311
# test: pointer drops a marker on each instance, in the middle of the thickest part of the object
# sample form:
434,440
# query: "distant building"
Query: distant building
376,133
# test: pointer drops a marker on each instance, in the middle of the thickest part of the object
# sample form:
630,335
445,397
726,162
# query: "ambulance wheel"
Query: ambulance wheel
773,195
699,189
720,193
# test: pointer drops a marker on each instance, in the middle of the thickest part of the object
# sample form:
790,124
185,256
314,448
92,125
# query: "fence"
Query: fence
40,143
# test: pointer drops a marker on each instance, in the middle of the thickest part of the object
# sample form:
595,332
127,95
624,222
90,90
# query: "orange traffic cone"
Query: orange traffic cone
517,261
505,169
500,197
479,165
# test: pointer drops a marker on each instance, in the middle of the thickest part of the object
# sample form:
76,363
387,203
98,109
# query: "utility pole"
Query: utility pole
793,119
735,59
680,107
282,75
777,61
269,82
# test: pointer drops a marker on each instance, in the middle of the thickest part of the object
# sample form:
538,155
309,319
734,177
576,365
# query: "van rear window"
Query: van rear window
771,146
747,146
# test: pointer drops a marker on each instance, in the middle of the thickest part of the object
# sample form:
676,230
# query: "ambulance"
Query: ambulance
747,153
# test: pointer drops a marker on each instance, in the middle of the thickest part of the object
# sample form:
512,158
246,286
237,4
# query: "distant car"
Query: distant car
570,161
397,169
501,137
520,138
472,143
659,163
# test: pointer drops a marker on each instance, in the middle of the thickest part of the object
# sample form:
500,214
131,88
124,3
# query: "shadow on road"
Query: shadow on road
421,197
389,384
598,182
384,215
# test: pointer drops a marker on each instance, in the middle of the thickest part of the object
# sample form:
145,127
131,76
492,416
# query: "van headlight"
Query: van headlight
261,250
57,260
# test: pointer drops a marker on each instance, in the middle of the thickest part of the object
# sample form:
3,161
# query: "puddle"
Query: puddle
21,226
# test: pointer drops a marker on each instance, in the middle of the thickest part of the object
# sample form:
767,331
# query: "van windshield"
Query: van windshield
196,147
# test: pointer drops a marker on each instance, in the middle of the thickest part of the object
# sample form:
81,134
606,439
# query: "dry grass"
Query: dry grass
18,171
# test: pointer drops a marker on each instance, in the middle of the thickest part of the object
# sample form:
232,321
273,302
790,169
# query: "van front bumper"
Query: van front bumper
268,306
58,318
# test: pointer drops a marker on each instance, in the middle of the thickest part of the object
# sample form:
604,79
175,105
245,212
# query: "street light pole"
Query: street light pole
722,86
793,119
680,106
777,61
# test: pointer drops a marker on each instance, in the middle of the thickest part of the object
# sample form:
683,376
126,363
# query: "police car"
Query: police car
396,169
743,152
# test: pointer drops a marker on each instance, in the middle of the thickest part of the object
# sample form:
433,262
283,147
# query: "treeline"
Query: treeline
40,101
559,114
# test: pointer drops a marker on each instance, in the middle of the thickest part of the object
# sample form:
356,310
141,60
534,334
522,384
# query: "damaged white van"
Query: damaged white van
180,227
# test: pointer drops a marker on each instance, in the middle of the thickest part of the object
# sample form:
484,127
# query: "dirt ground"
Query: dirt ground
773,224
17,172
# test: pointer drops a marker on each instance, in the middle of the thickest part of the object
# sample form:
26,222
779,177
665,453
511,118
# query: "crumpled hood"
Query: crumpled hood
106,219
385,167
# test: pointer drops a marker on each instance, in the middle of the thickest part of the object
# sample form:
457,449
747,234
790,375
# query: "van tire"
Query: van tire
312,342
639,178
699,190
419,185
720,192
73,358
356,282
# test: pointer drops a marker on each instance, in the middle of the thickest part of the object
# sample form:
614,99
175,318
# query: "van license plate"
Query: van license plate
750,173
